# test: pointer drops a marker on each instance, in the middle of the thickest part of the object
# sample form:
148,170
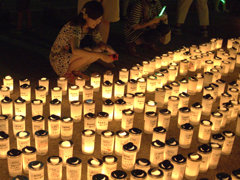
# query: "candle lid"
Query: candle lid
66,143
138,173
179,158
223,176
100,177
159,129
108,102
89,101
208,97
18,118
119,174
6,100
195,156
164,111
122,133
53,117
3,135
184,94
218,137
88,132
102,114
151,114
205,148
107,83
41,133
120,82
143,162
90,116
35,165
185,109
23,134
55,101
107,133
135,131
37,118
158,144
74,161
120,101
206,122
67,119
236,173
3,117
228,133
25,86
172,142
14,152
233,89
20,177
129,147
37,101
40,88
166,165
29,150
155,172
215,145
95,162
109,159
197,105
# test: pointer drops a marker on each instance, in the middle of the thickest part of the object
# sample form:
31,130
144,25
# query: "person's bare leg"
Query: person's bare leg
104,29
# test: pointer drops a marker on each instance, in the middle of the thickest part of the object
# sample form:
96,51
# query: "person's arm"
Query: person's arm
151,22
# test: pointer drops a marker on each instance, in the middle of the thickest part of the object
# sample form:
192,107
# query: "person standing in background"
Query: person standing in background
111,14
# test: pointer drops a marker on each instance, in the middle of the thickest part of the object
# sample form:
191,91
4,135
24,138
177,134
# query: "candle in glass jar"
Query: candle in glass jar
24,81
94,166
216,119
74,168
108,76
88,106
151,83
159,97
7,106
150,121
119,174
121,138
237,130
25,92
80,82
150,105
87,92
119,105
66,128
164,117
205,151
23,139
218,138
196,111
138,174
183,99
40,93
228,143
171,148
156,152
192,85
183,85
135,136
14,160
88,141
95,81
204,133
44,82
127,119
18,124
175,88
221,86
222,175
173,102
234,92
167,167
65,150
90,121
107,90
54,126
183,69
73,93
129,99
179,163
172,73
38,123
20,106
207,103
159,133
76,111
37,107
119,89
129,156
101,122
54,167
186,134
107,142
215,156
4,144
63,84
141,85
134,73
41,142
4,92
143,164
184,116
108,107
55,107
132,86
168,93
200,78
36,170
56,93
193,165
109,164
8,82
100,176
160,80
4,123
28,155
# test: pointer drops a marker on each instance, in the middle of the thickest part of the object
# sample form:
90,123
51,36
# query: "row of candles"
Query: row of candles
133,100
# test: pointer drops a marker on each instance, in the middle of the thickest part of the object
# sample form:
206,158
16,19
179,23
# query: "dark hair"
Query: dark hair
92,8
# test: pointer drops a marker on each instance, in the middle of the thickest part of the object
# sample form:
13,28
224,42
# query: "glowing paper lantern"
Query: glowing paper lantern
23,139
4,144
28,155
41,142
54,167
88,141
193,165
65,150
36,170
94,166
66,128
56,93
95,81
14,159
74,168
186,134
63,84
129,156
107,142
73,93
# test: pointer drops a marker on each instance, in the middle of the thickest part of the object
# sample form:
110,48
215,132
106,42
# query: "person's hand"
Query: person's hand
106,58
110,50
155,20
136,27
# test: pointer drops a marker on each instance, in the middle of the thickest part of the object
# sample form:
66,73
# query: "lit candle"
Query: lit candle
209,90
156,152
196,111
159,133
225,112
166,75
23,139
124,75
36,170
138,174
207,103
237,59
140,70
186,134
119,88
132,86
183,69
172,73
225,97
25,92
101,122
200,78
151,83
158,61
65,150
18,124
134,73
14,160
4,92
54,167
221,86
184,116
216,154
108,107
173,102
88,106
235,110
8,82
40,93
165,60
24,81
37,107
4,123
129,156
121,138
56,93
216,119
160,80
28,155
141,85
87,92
129,99
204,133
234,92
222,175
4,144
63,84
216,74
193,165
109,164
76,111
146,68
135,136
66,128
152,66
215,91
179,163
203,47
100,176
55,107
74,168
90,121
226,67
155,173
235,174
44,82
171,148
168,92
80,82
164,117
160,96
205,151
219,43
94,166
107,90
183,85
20,106
143,164
119,174
54,126
207,78
119,105
41,142
232,61
7,106
88,141
175,88
108,76
150,121
228,143
38,123
95,81
107,142
150,105
127,119
167,167
192,85
73,93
